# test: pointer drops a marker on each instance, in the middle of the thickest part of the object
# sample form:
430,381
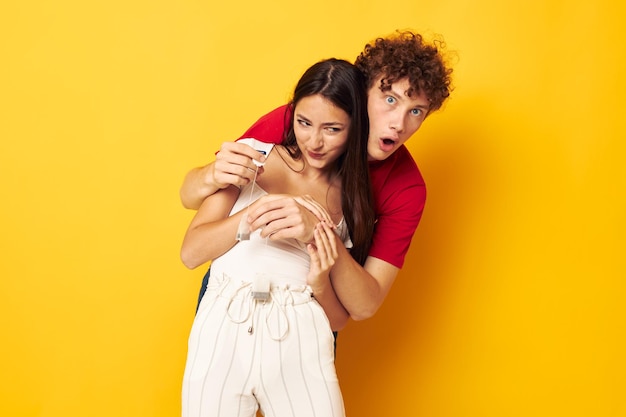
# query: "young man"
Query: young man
407,79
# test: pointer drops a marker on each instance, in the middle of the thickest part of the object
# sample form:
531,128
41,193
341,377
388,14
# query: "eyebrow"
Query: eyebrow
404,94
300,116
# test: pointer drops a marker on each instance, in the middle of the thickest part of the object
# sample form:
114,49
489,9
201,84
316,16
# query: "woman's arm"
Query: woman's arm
211,232
323,254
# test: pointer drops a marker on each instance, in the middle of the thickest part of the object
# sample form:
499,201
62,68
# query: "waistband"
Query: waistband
242,304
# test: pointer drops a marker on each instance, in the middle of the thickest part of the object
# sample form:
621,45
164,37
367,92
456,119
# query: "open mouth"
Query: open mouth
387,144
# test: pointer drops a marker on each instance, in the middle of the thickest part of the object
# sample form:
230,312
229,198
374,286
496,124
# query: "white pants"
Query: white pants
245,353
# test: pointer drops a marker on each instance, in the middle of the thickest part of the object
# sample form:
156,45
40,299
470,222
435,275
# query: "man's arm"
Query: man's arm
400,198
362,290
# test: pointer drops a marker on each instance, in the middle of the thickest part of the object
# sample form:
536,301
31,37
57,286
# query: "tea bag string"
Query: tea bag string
243,232
256,171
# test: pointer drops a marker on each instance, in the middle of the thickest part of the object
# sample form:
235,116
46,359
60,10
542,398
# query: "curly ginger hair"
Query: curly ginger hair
407,54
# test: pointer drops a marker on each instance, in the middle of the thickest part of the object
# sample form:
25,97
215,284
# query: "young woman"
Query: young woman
263,333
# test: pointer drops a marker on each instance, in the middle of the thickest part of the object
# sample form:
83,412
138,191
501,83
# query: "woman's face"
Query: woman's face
321,130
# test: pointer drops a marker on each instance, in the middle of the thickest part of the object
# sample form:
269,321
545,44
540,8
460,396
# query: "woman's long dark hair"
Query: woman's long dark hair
342,83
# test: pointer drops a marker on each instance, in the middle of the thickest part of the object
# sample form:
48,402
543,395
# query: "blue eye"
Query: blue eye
390,100
416,112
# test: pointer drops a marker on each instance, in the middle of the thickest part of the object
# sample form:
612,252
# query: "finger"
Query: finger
293,226
315,266
312,250
328,240
225,171
275,218
239,148
321,242
231,179
275,202
240,154
314,207
281,233
323,213
278,229
331,239
270,211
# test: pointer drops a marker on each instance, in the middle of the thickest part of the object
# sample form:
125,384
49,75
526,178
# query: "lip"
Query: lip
315,155
387,147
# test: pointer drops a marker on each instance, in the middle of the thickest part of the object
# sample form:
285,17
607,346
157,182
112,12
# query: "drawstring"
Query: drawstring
280,307
242,301
276,312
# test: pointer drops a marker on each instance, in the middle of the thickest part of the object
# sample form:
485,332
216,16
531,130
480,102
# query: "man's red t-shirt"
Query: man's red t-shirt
397,184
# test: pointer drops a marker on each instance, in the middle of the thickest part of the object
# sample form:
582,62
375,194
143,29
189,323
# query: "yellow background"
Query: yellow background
512,301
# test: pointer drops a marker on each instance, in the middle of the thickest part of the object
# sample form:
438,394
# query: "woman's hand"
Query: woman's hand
314,207
282,216
323,253
234,165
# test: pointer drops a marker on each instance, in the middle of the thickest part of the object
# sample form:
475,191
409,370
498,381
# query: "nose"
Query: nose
317,139
397,123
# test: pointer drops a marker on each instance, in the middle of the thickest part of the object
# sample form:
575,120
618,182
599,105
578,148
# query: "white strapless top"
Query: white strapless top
282,261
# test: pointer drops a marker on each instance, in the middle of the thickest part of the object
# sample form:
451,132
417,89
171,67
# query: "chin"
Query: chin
377,154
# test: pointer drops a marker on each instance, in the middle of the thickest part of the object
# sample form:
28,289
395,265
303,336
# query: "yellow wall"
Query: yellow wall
512,299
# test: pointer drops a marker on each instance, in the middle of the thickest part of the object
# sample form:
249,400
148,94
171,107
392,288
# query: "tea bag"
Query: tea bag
243,232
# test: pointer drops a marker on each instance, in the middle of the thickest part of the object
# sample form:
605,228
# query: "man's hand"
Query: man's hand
283,217
234,165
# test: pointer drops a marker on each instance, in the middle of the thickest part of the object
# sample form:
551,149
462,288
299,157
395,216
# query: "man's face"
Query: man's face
394,117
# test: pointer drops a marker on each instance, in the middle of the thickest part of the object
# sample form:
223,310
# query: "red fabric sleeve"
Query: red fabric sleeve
271,127
399,196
